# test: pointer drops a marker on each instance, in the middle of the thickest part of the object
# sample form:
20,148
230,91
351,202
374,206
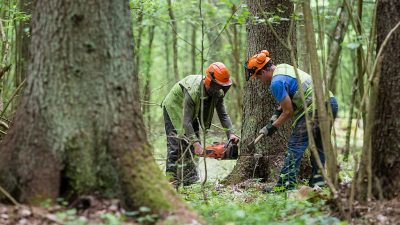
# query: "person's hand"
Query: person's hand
198,149
268,130
276,115
233,138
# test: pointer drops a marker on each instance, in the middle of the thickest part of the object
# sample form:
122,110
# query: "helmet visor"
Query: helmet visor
248,71
217,89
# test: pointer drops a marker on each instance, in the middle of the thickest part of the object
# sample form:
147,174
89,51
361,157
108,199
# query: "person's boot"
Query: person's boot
316,180
172,175
191,175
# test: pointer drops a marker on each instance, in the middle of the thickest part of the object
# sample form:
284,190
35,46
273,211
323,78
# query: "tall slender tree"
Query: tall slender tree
79,128
174,26
22,40
258,103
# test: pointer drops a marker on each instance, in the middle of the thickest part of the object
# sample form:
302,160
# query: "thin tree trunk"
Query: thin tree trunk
193,49
167,54
147,93
302,51
335,47
258,103
235,67
320,97
22,42
174,39
138,40
79,129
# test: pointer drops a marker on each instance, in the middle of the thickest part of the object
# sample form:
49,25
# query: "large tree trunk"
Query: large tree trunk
79,128
386,127
258,103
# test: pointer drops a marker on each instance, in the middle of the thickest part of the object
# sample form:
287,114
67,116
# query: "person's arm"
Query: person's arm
188,117
287,112
279,92
189,110
225,120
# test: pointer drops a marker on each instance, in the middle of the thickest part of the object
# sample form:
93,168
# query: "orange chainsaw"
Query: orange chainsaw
222,150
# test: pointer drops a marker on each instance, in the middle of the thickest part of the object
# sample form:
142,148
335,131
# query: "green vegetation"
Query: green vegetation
251,206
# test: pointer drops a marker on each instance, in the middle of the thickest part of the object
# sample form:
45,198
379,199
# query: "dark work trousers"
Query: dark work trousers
298,143
180,164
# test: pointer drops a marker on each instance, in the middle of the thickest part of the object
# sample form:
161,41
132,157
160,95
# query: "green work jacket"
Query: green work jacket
173,102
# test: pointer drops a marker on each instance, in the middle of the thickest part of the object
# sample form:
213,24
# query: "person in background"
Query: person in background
184,113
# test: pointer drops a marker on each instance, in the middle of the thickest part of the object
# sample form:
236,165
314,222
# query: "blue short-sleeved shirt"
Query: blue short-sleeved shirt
283,85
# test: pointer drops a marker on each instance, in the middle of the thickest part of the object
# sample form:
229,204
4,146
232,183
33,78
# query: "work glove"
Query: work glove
198,149
276,114
268,130
233,138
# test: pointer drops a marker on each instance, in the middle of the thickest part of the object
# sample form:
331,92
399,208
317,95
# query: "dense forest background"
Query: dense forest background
162,41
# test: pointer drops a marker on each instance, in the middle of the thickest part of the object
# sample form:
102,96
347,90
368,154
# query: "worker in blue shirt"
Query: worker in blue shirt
284,87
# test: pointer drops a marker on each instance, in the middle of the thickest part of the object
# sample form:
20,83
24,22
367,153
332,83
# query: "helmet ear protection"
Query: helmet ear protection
256,63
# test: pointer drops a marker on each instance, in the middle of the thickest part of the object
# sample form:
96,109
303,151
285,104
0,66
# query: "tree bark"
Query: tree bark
258,103
302,51
386,126
174,27
79,128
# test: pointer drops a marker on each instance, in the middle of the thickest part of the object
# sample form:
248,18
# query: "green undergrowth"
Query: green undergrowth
227,206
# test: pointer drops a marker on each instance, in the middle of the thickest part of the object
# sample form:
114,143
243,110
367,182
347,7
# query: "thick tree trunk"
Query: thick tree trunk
386,127
258,103
79,128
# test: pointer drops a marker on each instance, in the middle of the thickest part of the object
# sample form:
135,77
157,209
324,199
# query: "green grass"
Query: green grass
251,207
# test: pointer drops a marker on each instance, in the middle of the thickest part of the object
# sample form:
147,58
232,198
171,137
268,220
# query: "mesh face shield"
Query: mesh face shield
217,89
249,71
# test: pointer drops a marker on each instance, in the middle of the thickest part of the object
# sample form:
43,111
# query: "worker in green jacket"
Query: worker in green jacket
285,89
184,113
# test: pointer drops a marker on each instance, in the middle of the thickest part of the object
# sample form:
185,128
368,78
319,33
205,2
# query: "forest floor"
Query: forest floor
242,204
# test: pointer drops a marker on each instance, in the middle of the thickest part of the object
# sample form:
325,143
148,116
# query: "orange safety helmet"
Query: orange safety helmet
218,73
256,63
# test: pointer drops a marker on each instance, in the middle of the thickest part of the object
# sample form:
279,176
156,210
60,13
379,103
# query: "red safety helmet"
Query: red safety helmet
218,73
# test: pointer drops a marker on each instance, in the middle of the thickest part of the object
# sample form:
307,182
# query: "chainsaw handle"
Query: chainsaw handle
227,144
258,138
